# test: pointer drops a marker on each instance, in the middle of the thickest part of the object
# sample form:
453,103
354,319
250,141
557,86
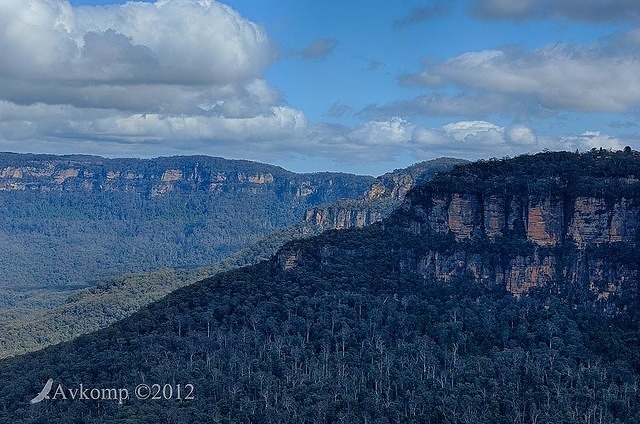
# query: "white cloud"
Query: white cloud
521,135
270,136
475,132
145,53
280,122
184,76
604,77
482,139
138,77
394,132
469,139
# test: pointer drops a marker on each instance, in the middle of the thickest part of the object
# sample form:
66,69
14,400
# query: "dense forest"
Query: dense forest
39,318
341,328
597,173
69,222
86,218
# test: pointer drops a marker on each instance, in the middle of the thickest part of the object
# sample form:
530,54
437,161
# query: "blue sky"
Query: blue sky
358,86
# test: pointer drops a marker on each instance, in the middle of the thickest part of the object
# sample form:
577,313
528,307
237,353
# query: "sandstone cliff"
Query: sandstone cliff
385,194
160,176
564,220
547,231
87,217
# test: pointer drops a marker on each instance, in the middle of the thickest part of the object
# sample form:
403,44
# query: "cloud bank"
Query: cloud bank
133,70
604,77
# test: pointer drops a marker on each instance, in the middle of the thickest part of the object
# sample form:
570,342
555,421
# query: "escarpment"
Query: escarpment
162,177
546,222
384,195
564,220
89,217
575,222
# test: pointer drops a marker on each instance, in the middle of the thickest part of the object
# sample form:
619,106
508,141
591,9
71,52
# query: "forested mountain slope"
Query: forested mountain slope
71,221
356,325
85,218
83,311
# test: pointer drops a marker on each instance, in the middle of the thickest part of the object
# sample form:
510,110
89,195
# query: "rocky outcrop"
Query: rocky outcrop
395,186
519,224
343,214
161,176
544,221
385,194
261,178
563,222
171,175
596,222
470,216
575,225
517,274
288,259
552,218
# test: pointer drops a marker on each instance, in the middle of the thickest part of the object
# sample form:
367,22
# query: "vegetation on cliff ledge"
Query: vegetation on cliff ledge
596,173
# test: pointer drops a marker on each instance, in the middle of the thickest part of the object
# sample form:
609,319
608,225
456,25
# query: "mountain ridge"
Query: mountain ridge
386,193
130,215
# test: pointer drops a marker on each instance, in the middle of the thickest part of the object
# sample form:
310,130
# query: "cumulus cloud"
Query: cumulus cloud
473,139
127,75
394,132
169,57
184,76
170,42
603,77
588,140
521,135
372,141
475,132
469,139
579,10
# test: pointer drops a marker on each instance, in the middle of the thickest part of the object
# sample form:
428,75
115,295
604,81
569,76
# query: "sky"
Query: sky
361,86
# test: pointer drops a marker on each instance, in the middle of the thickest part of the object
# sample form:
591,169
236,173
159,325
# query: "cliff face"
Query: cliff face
161,176
341,215
383,196
87,217
553,219
539,221
560,234
547,222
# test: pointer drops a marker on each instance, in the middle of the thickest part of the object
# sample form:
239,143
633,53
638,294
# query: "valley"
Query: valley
36,317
